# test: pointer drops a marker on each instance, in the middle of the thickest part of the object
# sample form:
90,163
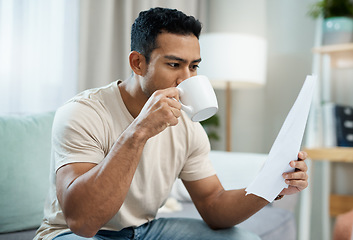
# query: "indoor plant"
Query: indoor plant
211,127
338,20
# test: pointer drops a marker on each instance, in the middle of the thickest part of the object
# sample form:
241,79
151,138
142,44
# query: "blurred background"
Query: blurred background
50,50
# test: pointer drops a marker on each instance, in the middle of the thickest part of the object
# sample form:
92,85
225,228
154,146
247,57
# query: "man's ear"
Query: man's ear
137,63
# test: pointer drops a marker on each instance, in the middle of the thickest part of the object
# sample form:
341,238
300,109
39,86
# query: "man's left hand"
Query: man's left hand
297,180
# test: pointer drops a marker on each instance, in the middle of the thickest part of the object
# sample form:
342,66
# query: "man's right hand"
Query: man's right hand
104,186
160,111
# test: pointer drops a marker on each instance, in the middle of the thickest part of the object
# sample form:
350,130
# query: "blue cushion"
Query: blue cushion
25,143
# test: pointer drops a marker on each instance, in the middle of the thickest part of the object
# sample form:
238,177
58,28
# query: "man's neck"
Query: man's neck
132,95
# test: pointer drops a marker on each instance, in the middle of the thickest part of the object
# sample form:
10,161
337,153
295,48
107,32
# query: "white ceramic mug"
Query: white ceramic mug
197,98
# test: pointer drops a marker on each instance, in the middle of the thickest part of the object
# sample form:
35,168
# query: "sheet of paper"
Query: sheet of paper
269,181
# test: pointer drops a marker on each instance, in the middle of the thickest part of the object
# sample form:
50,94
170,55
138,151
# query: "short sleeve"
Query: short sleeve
77,135
198,164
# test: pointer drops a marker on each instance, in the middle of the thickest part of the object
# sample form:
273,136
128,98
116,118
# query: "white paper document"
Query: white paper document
269,181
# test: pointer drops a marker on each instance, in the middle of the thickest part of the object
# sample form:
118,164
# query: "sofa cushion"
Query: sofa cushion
235,170
270,223
20,235
25,143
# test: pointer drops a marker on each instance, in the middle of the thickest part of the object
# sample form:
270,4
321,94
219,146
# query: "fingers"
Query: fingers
167,107
299,165
171,93
300,172
302,155
297,180
293,176
176,112
173,105
160,111
298,184
295,186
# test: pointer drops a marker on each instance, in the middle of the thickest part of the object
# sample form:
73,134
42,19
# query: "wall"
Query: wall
258,114
247,104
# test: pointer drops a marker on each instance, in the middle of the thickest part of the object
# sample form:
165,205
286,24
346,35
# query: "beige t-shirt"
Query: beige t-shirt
85,129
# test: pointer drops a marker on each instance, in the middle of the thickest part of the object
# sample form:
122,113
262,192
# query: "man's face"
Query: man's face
175,59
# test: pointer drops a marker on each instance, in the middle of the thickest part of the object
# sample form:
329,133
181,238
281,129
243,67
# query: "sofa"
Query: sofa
25,143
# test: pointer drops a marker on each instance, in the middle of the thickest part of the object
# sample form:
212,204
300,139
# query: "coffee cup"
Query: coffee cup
197,98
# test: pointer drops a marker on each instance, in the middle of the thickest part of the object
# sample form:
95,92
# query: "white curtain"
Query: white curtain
38,54
52,49
105,35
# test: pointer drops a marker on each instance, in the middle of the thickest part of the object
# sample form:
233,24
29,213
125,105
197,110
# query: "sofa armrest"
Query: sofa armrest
234,170
237,170
25,143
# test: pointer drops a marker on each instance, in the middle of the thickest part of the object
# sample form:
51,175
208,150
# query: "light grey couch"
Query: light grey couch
237,170
24,165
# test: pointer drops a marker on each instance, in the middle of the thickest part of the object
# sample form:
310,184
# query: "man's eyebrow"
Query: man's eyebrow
172,57
197,60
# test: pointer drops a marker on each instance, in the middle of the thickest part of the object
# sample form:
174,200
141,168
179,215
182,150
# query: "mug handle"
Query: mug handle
187,109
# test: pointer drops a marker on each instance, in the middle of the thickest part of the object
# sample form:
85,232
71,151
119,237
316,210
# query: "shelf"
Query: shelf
340,204
341,55
329,61
335,154
329,49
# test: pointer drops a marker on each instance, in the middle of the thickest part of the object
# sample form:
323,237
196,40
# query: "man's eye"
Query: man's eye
173,64
195,67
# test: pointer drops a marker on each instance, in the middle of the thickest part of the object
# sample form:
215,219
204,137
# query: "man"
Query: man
117,150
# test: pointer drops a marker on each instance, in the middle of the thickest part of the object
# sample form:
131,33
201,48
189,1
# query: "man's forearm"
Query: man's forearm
232,207
93,198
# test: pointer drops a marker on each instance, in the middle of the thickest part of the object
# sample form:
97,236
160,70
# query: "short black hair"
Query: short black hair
157,20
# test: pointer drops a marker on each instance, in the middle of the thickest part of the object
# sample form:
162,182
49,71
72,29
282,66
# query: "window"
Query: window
38,54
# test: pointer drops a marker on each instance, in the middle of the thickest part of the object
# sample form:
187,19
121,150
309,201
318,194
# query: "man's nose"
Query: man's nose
183,76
